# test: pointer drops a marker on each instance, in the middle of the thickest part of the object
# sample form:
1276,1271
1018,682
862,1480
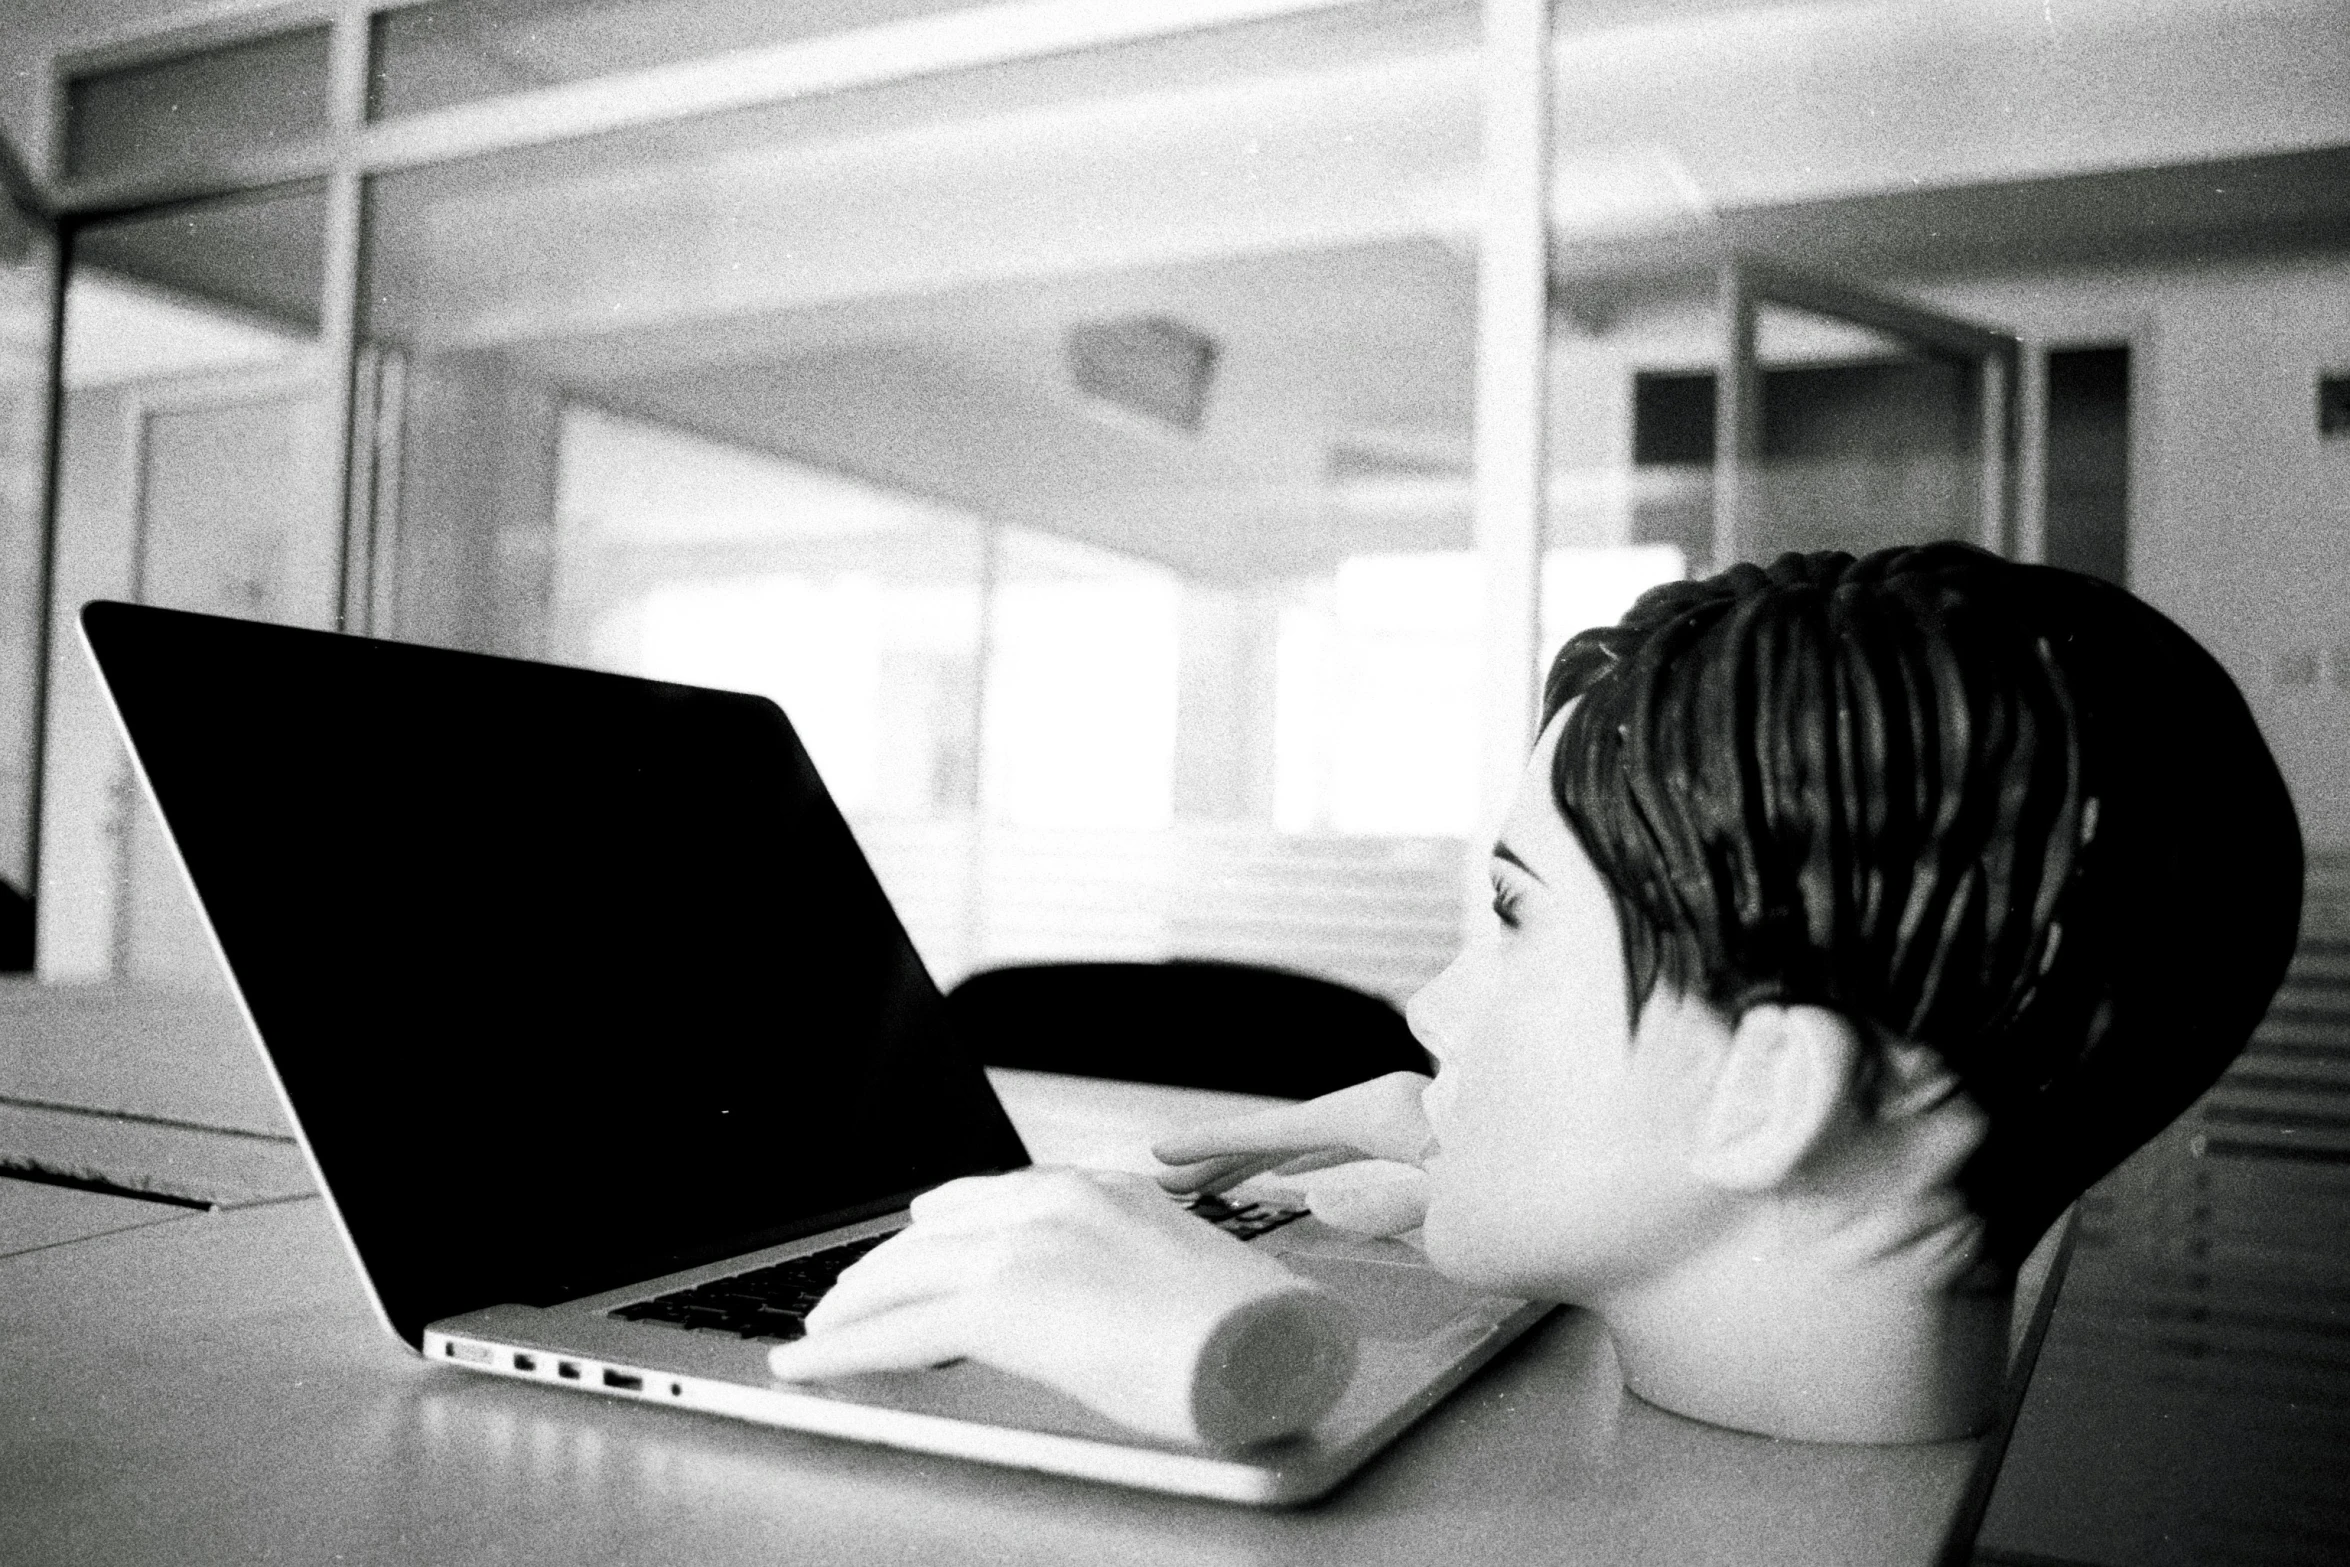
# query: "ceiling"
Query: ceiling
966,398
881,283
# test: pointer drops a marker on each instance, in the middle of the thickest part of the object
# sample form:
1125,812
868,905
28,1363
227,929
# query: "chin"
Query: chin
1471,1252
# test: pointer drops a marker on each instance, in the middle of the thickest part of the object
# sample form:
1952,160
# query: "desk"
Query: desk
210,1388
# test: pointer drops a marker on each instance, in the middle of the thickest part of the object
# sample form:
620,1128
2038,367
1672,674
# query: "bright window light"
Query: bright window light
1305,668
854,607
1081,692
1375,699
1582,588
633,480
814,647
118,331
1378,689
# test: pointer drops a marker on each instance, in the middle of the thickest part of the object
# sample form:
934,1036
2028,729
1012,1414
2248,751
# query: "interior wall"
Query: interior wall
26,261
84,809
1223,705
31,30
2239,502
1754,102
476,507
2240,511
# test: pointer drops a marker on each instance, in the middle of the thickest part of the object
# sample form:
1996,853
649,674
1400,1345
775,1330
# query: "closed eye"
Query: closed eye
1506,901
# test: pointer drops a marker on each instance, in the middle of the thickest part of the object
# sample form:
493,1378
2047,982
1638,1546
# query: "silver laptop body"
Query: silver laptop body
580,994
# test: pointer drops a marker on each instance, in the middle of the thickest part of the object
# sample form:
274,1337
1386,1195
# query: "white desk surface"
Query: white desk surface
212,1388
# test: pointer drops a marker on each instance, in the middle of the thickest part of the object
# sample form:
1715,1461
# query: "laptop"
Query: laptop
607,1050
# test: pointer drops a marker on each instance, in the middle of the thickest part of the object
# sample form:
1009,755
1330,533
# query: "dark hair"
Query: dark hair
2007,812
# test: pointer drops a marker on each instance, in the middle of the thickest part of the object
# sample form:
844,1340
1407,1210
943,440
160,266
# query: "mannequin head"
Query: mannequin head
1856,916
2006,813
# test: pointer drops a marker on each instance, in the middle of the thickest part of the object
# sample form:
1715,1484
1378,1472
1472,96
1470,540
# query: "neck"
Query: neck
1798,1325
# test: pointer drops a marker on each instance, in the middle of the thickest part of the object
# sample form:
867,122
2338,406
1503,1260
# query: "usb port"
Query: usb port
568,1370
627,1380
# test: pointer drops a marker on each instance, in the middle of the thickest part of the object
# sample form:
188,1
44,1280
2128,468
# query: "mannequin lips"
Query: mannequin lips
1435,1104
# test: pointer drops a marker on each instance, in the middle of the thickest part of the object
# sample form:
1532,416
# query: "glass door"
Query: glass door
1083,469
1852,420
28,259
197,471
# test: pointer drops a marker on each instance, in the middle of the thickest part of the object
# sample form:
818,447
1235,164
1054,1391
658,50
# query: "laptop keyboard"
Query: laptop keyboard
1248,1220
766,1303
773,1302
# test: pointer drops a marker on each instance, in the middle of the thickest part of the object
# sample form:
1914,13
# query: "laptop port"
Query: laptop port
628,1381
568,1370
526,1362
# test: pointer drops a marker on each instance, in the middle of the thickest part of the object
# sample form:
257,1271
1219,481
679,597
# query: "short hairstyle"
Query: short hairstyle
2007,812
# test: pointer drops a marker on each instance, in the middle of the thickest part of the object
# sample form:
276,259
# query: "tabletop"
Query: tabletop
211,1387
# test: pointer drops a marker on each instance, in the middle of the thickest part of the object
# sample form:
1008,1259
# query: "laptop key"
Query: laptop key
772,1302
1247,1220
762,1303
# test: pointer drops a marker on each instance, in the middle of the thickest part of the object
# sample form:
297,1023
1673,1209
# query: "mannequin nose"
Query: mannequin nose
1433,1011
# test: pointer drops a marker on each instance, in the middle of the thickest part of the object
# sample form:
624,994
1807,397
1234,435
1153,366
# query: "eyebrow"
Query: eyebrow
1502,851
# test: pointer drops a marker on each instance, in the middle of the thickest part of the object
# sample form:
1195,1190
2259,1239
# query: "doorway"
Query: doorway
1847,420
2086,496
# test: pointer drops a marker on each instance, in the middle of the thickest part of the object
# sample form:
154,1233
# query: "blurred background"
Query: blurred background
1073,425
1106,431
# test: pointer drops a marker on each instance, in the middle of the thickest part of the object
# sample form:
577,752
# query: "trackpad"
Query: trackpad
1400,1303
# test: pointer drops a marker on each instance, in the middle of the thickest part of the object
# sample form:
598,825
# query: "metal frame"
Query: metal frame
45,576
201,391
223,25
365,388
966,39
1512,388
356,148
21,189
338,324
223,22
1747,283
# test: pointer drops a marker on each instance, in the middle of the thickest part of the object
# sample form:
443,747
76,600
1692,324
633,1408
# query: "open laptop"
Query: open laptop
607,1050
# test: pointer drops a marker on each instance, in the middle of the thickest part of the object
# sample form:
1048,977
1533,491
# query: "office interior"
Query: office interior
1106,431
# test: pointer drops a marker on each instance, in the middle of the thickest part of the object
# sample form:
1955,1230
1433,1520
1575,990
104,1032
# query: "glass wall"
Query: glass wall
448,52
1078,447
194,105
198,470
856,607
1868,440
27,274
1010,476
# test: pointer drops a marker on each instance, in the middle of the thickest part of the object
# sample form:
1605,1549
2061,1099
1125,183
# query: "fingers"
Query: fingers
1285,1128
972,1193
984,1232
983,1191
1378,1200
991,1201
908,1339
914,1266
1217,1174
1378,1119
1319,1159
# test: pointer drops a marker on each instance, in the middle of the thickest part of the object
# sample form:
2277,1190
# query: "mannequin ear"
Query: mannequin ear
1783,1082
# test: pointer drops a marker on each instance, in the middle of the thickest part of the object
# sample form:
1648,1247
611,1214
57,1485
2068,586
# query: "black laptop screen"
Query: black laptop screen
572,979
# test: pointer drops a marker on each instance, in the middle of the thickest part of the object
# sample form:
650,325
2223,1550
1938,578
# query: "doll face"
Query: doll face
1559,1169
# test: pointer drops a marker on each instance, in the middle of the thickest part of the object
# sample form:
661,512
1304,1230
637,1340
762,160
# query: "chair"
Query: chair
16,931
1187,1024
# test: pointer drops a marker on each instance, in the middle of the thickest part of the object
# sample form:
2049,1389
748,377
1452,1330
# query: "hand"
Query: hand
1380,1119
1377,1120
1097,1285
